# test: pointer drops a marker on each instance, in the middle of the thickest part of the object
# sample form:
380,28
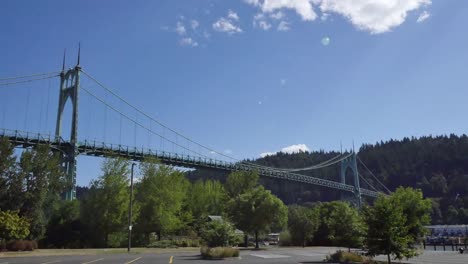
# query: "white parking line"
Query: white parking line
92,261
268,256
55,261
131,261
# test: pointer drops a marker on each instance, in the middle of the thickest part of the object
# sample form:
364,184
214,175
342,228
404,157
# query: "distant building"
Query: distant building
447,230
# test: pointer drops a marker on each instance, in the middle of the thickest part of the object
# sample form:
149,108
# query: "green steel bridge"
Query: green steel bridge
69,150
25,139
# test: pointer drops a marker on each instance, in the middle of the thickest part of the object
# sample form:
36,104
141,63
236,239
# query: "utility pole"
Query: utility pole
130,211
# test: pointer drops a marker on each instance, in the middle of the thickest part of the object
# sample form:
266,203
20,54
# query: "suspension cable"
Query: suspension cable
135,122
156,121
29,76
370,185
321,165
27,81
385,187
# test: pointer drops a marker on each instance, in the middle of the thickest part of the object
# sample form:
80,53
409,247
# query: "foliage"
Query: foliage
160,194
302,223
256,211
106,206
64,228
240,182
346,257
218,252
218,233
21,245
342,224
205,198
395,222
285,239
184,242
12,226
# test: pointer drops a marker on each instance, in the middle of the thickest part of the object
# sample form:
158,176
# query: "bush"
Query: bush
285,239
185,242
347,257
218,252
162,244
21,245
219,233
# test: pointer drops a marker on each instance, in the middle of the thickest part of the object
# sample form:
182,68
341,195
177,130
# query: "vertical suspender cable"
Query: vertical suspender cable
105,118
47,109
27,109
120,130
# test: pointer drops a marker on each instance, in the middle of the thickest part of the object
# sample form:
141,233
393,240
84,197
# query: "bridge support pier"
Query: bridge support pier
69,88
350,163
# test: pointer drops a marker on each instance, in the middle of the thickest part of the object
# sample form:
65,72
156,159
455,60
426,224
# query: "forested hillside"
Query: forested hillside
437,165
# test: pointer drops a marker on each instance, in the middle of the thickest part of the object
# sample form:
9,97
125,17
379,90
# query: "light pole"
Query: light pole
130,211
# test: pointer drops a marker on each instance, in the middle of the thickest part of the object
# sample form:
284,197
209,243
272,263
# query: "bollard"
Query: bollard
424,244
453,249
443,245
435,247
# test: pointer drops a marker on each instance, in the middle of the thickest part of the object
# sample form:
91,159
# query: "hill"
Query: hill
437,165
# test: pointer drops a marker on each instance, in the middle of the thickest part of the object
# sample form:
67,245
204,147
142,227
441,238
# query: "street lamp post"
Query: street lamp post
130,211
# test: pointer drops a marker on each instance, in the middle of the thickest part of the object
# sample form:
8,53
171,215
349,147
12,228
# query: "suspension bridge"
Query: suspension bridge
185,151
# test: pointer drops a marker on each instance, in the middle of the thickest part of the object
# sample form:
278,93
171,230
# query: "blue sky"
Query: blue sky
243,77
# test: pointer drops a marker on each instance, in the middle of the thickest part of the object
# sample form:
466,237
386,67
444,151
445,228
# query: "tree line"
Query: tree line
167,204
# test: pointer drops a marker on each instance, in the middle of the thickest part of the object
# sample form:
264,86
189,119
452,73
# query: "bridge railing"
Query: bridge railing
103,149
28,136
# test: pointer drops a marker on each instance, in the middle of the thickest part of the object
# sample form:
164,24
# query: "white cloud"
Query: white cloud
295,148
180,28
289,149
264,154
283,26
303,7
324,16
206,34
261,22
188,42
375,16
233,15
194,24
227,24
277,16
423,16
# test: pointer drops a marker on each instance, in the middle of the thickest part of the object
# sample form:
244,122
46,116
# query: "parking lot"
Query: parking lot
272,255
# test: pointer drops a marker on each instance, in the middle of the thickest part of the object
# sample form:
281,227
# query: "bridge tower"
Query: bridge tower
350,163
69,88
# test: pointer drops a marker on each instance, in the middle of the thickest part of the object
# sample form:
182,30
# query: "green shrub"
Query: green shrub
219,233
21,245
187,242
184,242
347,257
218,252
285,239
162,244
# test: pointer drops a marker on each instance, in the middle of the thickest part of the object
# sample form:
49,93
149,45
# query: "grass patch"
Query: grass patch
218,252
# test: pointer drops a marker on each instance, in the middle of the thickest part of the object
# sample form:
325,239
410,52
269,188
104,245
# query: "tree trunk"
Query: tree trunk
256,239
147,238
388,257
246,241
159,235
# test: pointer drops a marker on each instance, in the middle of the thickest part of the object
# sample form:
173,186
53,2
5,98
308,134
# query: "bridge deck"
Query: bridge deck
27,139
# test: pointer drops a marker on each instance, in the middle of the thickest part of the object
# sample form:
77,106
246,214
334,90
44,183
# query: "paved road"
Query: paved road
275,256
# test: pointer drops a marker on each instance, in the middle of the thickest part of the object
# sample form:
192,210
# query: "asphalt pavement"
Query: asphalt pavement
272,255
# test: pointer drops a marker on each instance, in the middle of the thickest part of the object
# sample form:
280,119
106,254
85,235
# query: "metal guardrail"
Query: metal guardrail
93,148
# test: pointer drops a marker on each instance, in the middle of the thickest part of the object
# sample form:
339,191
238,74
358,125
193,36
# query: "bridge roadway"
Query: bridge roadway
92,148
